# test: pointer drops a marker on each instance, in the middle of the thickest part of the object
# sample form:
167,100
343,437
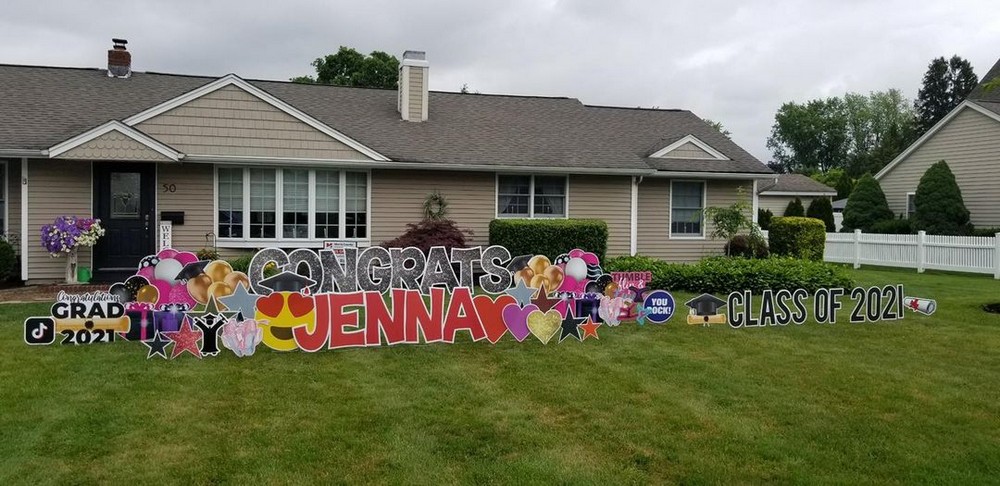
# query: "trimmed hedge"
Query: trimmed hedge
899,226
803,238
746,246
724,275
991,232
550,237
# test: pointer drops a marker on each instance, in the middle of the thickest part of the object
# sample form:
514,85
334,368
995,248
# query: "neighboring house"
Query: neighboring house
776,193
242,164
968,138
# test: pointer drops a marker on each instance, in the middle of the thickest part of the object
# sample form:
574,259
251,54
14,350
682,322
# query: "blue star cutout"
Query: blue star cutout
240,301
522,293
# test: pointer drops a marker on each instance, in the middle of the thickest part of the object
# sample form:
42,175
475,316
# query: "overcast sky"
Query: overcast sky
734,64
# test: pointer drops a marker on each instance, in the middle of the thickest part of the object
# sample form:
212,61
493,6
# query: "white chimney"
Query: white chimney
412,100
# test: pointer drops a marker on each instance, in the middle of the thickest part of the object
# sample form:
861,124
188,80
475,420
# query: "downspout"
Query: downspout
634,217
24,219
755,201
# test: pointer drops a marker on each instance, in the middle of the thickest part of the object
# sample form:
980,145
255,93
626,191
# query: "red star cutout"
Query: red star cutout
589,329
185,339
543,301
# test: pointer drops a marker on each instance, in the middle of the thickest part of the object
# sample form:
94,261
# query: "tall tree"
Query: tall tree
946,83
811,136
348,67
718,126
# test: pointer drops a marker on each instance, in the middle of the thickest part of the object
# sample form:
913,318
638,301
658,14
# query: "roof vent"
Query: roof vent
119,60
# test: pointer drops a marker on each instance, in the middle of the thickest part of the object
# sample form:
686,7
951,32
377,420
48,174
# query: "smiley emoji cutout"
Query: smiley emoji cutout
285,309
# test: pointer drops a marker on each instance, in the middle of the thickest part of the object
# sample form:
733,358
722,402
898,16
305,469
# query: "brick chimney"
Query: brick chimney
412,99
119,60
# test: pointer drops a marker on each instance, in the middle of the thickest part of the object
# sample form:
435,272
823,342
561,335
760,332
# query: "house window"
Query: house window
911,204
291,204
521,196
295,204
263,203
230,203
687,204
327,204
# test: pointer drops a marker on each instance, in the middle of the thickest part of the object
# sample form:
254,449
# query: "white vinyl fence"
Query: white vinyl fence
974,254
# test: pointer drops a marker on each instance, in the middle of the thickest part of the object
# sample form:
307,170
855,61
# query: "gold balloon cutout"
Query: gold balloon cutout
217,280
198,288
148,294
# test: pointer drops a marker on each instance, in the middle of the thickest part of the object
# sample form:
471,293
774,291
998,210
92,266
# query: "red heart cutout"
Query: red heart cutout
271,305
491,314
300,305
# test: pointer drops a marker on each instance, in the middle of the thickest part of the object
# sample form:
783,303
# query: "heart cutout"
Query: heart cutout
490,314
300,305
544,324
271,305
516,320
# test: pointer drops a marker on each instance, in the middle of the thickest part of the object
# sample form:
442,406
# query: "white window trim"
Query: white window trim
664,153
531,197
311,241
670,211
906,204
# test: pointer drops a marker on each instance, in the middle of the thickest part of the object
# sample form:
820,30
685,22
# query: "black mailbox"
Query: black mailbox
175,217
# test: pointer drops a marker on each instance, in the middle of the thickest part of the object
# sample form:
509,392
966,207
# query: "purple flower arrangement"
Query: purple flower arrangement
67,233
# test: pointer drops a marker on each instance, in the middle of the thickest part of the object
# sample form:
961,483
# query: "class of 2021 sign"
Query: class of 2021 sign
315,300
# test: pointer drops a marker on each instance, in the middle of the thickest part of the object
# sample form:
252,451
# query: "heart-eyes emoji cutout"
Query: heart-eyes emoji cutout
300,305
271,305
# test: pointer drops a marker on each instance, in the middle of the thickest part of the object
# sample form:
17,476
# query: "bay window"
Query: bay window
291,204
687,205
523,196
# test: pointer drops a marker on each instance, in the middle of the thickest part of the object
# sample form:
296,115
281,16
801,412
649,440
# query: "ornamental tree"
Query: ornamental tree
866,205
822,209
940,209
795,208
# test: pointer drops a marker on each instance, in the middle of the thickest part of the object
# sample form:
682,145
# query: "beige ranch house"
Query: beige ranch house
242,164
968,138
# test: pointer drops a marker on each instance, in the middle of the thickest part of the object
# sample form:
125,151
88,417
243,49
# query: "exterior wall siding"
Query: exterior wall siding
398,196
970,143
689,151
416,101
55,188
607,198
232,122
777,204
653,236
114,145
195,195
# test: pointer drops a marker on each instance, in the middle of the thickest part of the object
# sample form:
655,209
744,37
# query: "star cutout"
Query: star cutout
522,293
543,301
590,329
211,309
571,326
185,340
157,346
241,301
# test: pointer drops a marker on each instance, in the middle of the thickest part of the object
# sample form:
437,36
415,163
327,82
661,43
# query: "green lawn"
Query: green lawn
909,401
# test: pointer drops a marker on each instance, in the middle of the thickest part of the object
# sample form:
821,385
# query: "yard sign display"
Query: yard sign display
345,297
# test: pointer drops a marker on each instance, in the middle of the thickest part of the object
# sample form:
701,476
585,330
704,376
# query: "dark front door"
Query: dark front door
123,200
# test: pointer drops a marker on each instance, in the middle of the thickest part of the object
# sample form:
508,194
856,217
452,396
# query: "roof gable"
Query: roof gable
235,115
689,147
114,141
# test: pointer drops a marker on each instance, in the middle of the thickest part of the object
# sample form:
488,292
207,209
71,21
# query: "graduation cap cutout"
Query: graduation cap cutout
518,262
288,282
192,270
704,309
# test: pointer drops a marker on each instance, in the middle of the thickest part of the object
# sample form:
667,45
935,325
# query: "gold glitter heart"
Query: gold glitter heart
543,325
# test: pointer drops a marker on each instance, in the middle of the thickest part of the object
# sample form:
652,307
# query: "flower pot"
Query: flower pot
83,274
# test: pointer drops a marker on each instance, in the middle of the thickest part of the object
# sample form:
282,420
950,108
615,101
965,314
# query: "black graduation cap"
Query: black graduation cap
287,282
192,270
706,304
518,262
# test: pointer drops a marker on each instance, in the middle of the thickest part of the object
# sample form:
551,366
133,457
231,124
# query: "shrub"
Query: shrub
550,237
986,231
901,226
798,237
747,246
208,254
795,208
764,218
822,209
8,261
940,209
866,206
240,263
724,275
428,233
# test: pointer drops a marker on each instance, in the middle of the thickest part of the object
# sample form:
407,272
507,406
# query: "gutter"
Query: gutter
711,175
790,193
23,153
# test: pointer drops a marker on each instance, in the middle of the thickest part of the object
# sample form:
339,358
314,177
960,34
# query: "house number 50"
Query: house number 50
169,187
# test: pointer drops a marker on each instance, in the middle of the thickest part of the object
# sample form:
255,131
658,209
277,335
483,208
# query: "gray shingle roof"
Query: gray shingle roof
981,94
794,183
42,106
